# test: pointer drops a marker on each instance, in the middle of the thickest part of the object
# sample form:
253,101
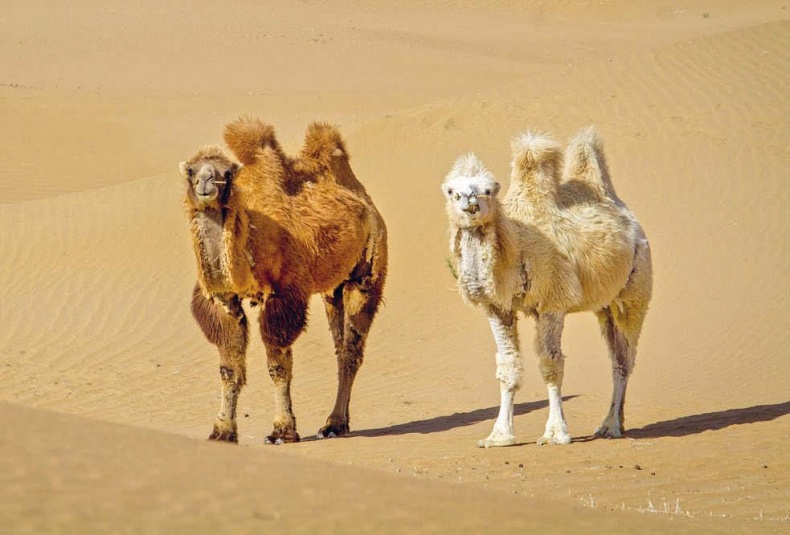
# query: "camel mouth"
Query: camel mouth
207,197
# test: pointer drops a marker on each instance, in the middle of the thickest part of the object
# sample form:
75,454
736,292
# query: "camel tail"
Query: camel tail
537,159
324,144
247,137
585,162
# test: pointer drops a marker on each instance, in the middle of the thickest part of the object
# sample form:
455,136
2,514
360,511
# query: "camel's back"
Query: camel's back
601,241
327,229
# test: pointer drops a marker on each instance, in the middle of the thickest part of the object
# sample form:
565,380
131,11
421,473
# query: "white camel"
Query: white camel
561,241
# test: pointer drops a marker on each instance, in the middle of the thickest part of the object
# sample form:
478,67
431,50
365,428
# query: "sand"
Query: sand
108,389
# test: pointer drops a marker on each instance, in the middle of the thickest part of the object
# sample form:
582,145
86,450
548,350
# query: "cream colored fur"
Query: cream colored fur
561,241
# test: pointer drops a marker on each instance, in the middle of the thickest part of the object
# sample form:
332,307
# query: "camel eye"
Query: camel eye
227,175
190,173
488,191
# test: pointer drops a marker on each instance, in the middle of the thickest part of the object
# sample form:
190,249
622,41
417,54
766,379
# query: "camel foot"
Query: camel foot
608,432
498,441
333,430
281,436
554,438
224,436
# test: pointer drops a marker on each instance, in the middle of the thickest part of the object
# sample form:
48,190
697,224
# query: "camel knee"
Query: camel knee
552,368
279,372
509,371
233,375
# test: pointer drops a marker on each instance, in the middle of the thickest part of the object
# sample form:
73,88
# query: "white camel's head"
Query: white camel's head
470,190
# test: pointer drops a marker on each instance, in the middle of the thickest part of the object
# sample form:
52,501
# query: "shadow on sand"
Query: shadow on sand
710,421
459,419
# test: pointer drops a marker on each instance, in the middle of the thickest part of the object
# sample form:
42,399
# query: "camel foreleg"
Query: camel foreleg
551,361
509,372
224,323
282,320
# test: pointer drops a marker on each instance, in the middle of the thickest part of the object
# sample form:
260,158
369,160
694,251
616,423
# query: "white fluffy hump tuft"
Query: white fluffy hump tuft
584,138
531,148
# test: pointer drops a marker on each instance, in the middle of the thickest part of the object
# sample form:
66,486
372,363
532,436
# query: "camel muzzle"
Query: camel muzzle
470,204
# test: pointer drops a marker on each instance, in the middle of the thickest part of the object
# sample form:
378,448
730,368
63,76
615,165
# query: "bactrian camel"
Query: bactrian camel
276,230
560,241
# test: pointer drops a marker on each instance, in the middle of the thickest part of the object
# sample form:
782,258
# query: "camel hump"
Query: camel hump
531,150
585,162
324,144
248,136
536,164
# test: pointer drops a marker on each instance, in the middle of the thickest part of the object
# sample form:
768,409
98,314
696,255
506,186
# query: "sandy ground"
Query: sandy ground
108,388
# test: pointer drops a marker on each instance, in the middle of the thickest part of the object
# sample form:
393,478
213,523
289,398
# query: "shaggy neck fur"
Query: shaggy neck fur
488,263
207,227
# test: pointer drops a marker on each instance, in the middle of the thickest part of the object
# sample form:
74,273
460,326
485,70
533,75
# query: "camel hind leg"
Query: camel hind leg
621,324
225,325
350,310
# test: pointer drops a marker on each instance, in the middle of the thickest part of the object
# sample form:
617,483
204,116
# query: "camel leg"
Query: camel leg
335,316
620,328
621,324
225,325
509,371
282,320
548,344
360,301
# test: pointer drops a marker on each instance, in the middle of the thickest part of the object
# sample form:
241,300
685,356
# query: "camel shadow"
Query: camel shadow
458,419
710,421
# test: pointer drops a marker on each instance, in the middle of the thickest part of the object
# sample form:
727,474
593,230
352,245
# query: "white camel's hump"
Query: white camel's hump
585,162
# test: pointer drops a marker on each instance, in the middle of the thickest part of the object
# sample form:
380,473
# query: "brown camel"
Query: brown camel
276,230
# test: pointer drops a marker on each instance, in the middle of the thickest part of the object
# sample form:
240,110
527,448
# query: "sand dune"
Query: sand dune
96,268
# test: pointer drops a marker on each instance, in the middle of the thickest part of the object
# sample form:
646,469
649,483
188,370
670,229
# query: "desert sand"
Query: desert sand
108,389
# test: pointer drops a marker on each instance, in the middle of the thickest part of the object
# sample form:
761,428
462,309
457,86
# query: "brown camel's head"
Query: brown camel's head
209,174
470,190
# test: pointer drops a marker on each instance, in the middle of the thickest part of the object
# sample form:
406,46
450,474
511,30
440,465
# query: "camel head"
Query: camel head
208,174
470,190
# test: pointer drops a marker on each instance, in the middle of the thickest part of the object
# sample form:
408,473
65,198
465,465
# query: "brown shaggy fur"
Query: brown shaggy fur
279,230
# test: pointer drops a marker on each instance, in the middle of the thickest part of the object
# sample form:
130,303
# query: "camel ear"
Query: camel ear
495,189
182,168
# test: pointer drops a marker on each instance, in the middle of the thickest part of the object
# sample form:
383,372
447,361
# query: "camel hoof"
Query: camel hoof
608,432
224,436
497,442
333,431
280,437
